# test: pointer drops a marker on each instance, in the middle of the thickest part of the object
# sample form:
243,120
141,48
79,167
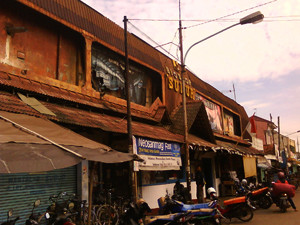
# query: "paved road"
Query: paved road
273,216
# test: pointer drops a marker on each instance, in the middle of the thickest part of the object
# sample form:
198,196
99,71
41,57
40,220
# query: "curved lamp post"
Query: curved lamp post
298,131
252,18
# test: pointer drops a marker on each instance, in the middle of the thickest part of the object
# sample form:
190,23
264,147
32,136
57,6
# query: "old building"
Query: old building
63,62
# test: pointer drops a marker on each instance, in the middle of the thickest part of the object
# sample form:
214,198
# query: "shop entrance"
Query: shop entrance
207,170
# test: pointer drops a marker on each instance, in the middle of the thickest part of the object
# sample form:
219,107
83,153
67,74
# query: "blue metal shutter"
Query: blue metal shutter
19,191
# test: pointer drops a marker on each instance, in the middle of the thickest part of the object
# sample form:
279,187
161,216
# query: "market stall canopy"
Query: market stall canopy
31,144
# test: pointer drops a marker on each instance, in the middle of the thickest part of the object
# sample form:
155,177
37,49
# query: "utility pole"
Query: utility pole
278,124
183,78
233,88
133,178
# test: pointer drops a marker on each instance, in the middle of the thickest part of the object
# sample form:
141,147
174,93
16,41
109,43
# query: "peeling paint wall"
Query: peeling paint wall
46,49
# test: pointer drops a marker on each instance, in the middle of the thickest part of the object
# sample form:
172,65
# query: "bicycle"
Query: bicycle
108,213
85,214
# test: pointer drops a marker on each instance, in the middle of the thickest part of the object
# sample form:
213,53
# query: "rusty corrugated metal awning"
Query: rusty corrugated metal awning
196,142
235,148
31,144
110,123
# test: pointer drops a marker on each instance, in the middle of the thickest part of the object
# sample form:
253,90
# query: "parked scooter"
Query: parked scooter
204,212
239,207
10,221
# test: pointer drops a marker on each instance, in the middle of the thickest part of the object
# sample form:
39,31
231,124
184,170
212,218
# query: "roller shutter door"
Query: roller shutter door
19,191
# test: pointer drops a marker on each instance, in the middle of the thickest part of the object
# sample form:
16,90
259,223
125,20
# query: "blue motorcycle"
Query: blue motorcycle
204,213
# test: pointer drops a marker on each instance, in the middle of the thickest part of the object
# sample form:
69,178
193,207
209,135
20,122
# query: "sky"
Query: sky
261,61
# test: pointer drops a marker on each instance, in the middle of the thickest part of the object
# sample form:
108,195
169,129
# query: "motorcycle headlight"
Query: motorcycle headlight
71,205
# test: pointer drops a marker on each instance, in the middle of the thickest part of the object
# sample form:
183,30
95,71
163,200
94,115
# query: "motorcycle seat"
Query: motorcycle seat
197,209
234,200
259,191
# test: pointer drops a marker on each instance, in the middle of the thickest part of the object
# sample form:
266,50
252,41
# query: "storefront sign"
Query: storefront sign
157,155
174,80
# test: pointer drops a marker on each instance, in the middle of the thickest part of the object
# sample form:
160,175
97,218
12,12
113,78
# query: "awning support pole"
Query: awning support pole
42,137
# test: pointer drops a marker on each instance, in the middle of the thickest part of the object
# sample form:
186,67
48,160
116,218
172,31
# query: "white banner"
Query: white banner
157,155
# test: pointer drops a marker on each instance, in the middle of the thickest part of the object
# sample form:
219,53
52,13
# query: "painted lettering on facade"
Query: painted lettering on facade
175,80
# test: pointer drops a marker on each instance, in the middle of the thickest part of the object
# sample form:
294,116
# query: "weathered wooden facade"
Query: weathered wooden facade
70,59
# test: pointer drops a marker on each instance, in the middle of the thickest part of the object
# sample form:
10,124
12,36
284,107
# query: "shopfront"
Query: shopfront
161,168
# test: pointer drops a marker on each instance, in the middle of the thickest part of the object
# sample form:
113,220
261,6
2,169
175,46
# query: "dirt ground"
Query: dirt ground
273,216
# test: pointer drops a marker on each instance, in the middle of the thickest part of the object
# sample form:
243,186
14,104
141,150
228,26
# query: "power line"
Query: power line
153,40
275,18
233,13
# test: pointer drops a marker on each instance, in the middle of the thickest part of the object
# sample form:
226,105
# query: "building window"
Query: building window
231,124
108,70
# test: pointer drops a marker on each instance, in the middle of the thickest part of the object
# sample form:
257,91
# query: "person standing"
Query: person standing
200,182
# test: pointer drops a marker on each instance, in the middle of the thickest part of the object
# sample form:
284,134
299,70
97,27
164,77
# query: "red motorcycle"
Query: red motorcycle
239,207
261,198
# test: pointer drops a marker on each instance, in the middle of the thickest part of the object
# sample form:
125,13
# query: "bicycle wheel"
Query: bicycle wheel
94,218
108,215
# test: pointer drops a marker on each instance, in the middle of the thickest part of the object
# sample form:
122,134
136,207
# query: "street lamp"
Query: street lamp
298,131
252,18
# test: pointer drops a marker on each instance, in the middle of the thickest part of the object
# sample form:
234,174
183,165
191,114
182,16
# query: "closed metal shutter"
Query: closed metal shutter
19,191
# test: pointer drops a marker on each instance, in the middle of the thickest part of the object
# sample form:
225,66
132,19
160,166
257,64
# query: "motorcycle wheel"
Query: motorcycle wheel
208,222
265,202
245,213
283,206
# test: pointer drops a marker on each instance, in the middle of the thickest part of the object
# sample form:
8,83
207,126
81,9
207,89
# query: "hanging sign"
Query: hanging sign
157,155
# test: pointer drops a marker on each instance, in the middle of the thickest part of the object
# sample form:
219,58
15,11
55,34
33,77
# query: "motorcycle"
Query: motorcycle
61,212
9,221
182,218
34,218
280,193
135,215
239,207
261,198
200,213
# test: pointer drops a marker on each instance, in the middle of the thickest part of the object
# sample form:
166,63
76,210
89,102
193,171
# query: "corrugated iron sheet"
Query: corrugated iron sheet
10,103
56,92
110,123
86,18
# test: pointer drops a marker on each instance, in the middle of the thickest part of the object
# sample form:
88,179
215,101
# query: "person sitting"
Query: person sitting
179,192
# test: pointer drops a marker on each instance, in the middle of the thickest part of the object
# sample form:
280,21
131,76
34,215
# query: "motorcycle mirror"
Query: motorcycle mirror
47,215
10,213
37,203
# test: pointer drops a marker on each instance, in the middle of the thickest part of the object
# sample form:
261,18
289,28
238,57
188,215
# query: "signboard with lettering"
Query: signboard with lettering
157,155
174,81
